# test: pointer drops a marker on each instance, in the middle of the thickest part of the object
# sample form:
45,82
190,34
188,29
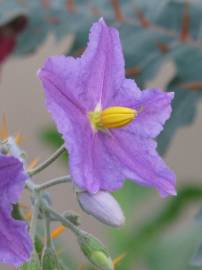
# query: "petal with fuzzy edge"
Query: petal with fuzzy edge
15,243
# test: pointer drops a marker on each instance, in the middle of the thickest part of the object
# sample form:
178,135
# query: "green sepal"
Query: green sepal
49,260
95,251
32,265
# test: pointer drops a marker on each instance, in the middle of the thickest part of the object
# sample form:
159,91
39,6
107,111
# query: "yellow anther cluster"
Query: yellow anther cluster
112,117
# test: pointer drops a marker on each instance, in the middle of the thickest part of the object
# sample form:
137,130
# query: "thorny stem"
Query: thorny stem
53,182
47,162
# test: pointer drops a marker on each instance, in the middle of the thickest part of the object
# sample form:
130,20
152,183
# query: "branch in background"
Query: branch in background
117,10
184,35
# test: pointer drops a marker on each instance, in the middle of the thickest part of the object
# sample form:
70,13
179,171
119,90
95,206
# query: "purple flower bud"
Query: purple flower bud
102,206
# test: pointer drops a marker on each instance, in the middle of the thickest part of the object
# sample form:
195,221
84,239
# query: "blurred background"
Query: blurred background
162,43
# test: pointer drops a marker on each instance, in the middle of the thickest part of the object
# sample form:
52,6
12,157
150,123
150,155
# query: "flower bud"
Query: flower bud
96,253
32,265
102,206
49,260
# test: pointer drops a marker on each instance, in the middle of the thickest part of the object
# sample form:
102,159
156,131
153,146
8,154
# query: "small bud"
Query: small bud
49,260
102,206
95,252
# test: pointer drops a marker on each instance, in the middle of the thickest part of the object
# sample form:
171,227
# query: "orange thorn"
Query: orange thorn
117,10
118,259
18,138
184,34
57,231
4,128
33,164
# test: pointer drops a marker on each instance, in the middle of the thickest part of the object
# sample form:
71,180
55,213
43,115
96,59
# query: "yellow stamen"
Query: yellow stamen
4,129
112,117
33,164
118,259
57,231
18,138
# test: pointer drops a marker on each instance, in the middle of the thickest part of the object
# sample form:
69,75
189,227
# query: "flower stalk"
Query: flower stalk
47,162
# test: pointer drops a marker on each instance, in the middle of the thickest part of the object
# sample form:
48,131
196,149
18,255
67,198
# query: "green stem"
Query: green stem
53,182
48,231
34,220
60,218
47,162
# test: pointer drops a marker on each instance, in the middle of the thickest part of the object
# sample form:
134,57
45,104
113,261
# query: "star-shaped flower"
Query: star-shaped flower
15,242
107,122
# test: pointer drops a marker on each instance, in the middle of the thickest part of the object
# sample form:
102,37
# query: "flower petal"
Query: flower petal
12,179
90,79
15,243
102,64
141,162
154,108
60,78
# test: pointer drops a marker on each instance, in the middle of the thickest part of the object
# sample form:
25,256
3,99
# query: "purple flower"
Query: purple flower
107,122
15,243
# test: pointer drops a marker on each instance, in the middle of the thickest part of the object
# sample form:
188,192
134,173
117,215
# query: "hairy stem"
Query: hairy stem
47,231
53,182
47,162
60,218
34,219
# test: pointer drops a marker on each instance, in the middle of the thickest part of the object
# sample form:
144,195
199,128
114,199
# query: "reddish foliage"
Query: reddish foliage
8,34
